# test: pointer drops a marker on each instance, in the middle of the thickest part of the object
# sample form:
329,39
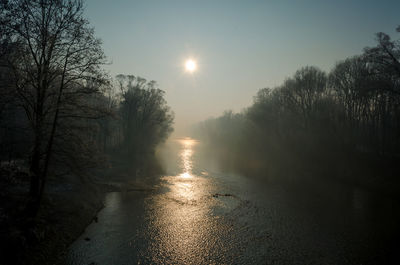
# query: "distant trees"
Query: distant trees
303,91
314,117
145,118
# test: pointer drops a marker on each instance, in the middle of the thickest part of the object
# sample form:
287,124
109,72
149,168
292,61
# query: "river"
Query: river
199,214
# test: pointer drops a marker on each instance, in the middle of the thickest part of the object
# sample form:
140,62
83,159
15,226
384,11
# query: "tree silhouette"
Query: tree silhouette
145,117
56,56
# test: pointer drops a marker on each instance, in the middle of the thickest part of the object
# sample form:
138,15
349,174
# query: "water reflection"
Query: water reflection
186,156
185,231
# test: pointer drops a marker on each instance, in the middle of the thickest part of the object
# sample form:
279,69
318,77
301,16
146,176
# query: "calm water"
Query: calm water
198,214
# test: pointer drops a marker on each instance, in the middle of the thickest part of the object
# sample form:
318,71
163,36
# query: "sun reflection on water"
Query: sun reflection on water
184,230
185,175
186,157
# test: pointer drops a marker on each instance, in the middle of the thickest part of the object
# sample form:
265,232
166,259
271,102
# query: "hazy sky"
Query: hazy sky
240,46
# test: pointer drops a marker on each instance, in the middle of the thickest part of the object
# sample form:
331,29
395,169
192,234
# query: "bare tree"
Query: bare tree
304,90
386,55
57,57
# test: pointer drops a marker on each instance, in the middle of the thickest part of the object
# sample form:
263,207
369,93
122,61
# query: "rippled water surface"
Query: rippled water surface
198,214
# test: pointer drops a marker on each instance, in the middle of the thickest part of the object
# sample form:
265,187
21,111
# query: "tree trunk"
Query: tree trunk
35,169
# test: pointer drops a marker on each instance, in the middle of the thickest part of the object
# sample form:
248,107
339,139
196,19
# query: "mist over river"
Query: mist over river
199,214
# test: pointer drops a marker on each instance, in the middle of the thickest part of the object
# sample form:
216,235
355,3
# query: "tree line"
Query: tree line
59,109
317,121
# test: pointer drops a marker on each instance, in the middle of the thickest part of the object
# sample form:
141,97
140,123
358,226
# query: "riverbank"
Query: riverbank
69,205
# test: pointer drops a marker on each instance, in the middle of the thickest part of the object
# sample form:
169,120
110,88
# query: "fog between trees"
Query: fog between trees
343,124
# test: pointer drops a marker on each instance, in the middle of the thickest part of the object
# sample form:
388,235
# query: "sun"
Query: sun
190,65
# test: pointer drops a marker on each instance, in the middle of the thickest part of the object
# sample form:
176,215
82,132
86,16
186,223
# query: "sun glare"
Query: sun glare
190,65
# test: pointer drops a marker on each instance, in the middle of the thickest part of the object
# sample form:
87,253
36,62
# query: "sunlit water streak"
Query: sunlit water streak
187,231
186,156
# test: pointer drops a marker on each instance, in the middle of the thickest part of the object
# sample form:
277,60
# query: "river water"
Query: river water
199,214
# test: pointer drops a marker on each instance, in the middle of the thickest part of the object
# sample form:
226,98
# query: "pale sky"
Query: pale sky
240,46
